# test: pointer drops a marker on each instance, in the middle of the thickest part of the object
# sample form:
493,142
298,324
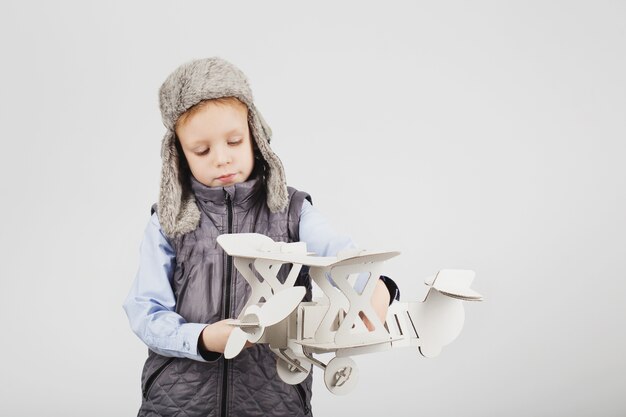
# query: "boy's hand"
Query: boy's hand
380,302
214,336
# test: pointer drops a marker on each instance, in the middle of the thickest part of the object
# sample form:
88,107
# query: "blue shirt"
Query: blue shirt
150,304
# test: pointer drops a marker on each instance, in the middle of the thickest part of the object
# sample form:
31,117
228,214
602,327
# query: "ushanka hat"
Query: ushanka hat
188,85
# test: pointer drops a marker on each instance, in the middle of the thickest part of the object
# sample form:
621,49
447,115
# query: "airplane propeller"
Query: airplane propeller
251,327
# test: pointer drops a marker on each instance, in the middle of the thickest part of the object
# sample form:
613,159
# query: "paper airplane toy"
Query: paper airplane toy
296,330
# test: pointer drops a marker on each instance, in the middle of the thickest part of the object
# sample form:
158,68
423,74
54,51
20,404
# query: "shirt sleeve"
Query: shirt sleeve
319,235
321,238
150,304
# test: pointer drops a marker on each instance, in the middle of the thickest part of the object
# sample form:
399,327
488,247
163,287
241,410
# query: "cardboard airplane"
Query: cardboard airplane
295,330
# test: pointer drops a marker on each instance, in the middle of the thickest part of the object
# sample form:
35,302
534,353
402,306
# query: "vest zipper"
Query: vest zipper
301,394
154,377
229,271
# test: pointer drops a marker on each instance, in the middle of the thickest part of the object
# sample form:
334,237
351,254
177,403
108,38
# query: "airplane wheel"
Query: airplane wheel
341,375
290,374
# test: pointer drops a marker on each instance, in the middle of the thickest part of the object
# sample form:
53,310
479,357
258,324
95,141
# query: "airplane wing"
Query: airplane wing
258,246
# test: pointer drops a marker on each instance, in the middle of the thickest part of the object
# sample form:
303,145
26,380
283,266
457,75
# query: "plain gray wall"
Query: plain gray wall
480,135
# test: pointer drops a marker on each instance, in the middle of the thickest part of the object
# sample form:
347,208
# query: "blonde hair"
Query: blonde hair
232,101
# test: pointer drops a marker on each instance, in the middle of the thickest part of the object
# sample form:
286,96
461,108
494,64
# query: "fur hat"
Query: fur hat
188,85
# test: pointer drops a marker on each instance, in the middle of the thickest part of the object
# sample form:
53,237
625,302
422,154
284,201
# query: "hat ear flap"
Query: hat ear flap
266,129
177,209
276,184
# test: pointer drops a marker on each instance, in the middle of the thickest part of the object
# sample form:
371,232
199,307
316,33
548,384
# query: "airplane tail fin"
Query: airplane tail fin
455,283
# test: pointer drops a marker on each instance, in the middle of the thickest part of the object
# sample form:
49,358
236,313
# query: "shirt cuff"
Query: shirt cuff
189,337
207,355
392,287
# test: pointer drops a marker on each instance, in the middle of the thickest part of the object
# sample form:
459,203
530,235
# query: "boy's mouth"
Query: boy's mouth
226,178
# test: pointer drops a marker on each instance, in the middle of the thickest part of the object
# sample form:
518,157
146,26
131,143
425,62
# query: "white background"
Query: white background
479,135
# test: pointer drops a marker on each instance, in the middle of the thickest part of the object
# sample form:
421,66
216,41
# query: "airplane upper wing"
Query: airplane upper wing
258,246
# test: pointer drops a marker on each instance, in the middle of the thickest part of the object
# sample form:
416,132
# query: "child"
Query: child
219,175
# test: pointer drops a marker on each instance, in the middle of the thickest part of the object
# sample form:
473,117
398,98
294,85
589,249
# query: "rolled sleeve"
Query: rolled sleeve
321,238
150,304
319,235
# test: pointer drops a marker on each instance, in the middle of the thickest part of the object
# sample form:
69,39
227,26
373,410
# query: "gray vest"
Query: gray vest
208,288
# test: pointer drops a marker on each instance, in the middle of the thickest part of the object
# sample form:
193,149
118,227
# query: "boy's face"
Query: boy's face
216,142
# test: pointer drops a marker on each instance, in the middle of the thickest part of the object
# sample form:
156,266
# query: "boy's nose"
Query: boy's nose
222,156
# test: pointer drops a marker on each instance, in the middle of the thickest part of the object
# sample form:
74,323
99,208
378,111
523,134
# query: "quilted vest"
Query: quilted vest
208,288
